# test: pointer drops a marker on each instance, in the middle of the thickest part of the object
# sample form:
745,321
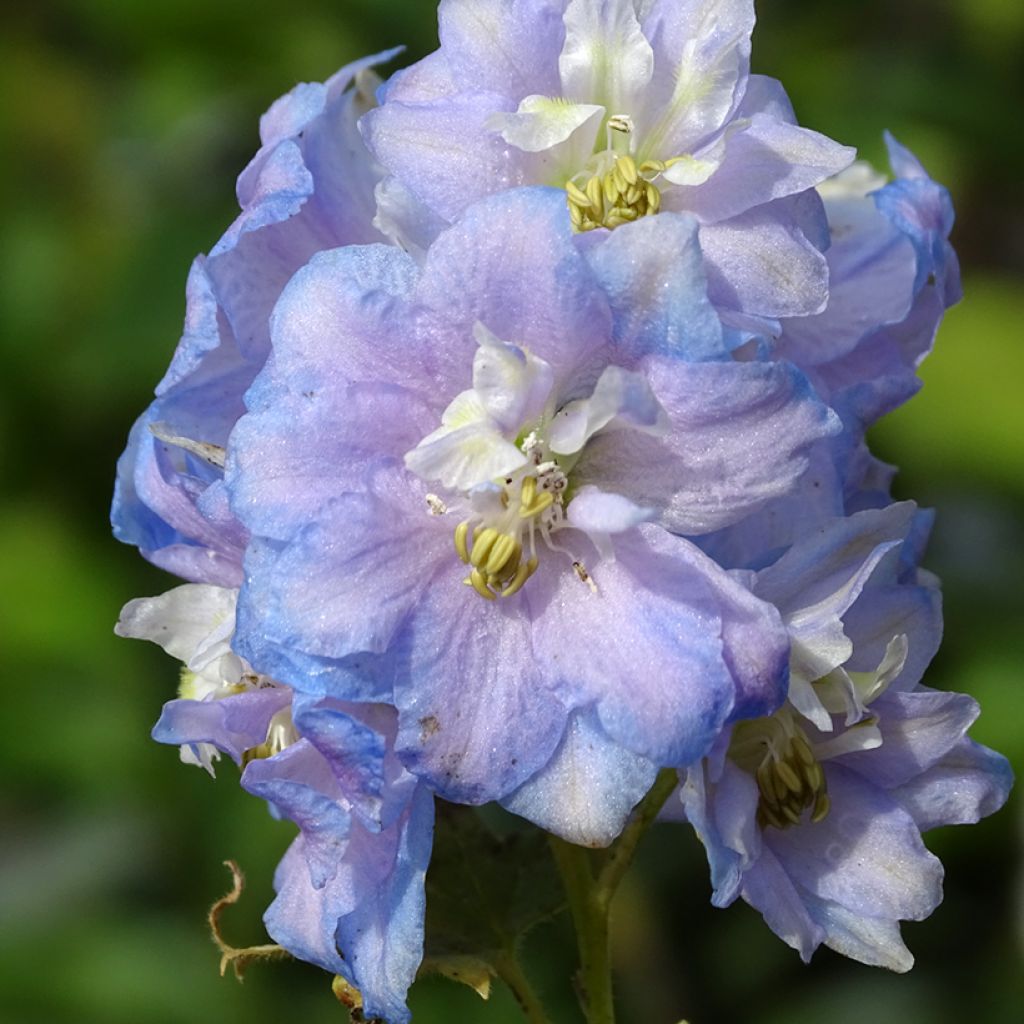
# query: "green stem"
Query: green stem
590,916
511,972
621,854
590,898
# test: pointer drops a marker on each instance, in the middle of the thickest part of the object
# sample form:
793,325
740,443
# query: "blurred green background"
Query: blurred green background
124,125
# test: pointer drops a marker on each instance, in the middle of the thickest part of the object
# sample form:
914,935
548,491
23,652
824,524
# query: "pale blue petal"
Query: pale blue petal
511,264
506,48
762,262
740,434
768,888
866,855
765,160
588,789
232,724
468,670
967,784
653,273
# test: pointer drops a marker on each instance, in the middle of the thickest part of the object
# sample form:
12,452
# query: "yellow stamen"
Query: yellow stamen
461,533
482,546
540,504
523,573
528,492
822,804
501,552
479,584
577,196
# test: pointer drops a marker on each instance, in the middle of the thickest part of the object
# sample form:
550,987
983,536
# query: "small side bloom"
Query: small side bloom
351,886
814,814
309,187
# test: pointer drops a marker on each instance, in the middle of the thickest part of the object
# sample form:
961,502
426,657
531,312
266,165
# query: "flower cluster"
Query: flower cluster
514,451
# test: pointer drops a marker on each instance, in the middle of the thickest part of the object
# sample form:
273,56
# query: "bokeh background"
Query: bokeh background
123,126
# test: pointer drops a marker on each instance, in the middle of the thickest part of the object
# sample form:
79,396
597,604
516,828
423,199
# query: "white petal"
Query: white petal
689,170
182,620
621,398
464,458
596,511
542,122
606,59
512,385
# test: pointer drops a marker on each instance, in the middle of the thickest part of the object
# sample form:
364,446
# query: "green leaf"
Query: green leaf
485,891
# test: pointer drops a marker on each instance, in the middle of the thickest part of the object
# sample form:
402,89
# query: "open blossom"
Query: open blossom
464,485
631,107
350,888
814,814
310,187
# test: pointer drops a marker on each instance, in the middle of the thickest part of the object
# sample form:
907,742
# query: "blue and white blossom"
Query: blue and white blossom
515,449
814,814
511,551
631,107
351,886
310,187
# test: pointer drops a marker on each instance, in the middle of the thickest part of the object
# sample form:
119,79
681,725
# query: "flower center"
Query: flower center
789,778
281,733
620,192
493,543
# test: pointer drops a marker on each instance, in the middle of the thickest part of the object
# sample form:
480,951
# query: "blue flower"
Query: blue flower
464,484
350,888
630,108
892,276
310,187
814,814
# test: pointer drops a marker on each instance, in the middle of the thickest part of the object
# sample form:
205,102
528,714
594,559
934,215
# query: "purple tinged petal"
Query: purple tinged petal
506,48
352,741
768,888
332,322
233,724
966,784
443,151
740,435
870,940
372,550
298,782
301,919
726,824
904,163
866,855
300,451
647,650
427,79
477,713
888,611
820,577
765,160
871,282
588,789
653,273
511,263
765,95
918,729
366,923
762,262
